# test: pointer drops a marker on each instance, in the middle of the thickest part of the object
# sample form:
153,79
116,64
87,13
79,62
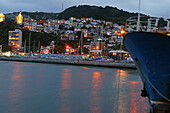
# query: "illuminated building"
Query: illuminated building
72,18
19,18
77,29
15,39
2,17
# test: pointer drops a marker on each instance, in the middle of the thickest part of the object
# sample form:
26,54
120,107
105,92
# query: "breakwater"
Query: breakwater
70,62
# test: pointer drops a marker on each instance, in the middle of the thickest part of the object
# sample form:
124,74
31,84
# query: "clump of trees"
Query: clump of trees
107,13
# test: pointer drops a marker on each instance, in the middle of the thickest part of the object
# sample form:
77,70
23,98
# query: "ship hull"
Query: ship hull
151,54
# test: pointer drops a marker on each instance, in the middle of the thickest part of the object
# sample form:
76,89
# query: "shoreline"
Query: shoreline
70,62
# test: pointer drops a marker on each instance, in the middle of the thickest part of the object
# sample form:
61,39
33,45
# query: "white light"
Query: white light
8,54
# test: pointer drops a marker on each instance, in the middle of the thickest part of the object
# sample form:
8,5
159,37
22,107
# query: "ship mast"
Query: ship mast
138,22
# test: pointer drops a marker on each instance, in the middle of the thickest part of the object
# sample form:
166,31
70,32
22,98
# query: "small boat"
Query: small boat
151,54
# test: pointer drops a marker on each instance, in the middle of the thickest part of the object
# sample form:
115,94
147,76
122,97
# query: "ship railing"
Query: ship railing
148,24
168,23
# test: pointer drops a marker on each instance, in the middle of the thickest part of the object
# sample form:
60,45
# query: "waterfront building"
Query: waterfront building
97,43
95,53
2,17
119,54
19,18
15,39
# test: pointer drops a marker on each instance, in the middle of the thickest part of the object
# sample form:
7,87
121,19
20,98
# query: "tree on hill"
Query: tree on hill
108,13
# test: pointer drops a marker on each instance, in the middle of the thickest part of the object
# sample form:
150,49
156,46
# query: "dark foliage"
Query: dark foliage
108,13
40,15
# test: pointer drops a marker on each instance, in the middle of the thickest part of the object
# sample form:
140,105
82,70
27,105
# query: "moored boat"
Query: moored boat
151,54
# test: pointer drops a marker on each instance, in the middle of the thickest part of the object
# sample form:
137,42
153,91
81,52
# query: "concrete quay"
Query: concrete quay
70,62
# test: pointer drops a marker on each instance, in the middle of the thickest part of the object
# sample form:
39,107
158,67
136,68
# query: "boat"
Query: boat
151,54
149,48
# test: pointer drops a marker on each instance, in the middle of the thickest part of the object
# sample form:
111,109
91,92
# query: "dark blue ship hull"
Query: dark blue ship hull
151,54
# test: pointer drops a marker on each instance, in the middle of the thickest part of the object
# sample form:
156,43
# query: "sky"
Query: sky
157,8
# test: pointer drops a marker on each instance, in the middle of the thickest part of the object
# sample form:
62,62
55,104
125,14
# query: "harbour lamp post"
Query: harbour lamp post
101,45
121,39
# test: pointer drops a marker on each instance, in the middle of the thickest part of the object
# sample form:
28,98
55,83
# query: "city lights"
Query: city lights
2,17
19,18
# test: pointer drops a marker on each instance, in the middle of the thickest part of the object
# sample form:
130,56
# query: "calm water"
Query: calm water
48,88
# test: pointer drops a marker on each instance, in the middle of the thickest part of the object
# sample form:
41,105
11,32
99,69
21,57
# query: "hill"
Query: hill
9,25
107,13
39,15
44,38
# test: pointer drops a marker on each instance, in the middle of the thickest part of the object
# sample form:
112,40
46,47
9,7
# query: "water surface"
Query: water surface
49,88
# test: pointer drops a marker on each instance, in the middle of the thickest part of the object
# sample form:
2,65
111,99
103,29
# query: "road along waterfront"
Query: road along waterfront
72,62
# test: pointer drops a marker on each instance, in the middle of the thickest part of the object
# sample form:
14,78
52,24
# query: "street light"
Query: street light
101,45
67,46
97,47
68,49
121,39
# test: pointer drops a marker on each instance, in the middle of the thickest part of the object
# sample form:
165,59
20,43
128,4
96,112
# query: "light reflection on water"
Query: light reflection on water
95,100
29,87
14,93
65,89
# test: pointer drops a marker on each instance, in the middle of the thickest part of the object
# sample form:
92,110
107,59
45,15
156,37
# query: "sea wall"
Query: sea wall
70,62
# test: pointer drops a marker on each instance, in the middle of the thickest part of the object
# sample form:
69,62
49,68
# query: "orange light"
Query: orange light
122,32
67,46
19,18
97,47
134,82
118,34
2,17
67,50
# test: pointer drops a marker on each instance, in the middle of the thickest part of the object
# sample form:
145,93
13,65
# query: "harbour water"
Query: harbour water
51,88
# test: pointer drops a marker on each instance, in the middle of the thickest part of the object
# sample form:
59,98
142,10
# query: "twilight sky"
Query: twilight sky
158,8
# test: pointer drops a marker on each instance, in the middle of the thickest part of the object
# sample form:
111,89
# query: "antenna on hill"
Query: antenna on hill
62,6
